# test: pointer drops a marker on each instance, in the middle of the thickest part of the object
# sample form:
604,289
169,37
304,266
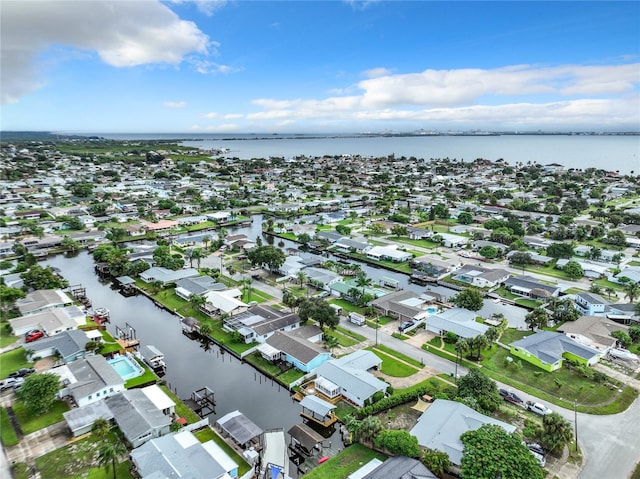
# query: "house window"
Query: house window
97,395
89,396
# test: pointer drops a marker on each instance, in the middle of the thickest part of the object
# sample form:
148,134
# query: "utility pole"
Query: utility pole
575,420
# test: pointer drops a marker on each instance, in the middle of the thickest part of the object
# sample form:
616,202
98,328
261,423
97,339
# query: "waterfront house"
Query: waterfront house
166,276
89,379
321,278
224,302
242,430
296,349
442,424
388,253
260,322
548,349
349,245
182,455
139,419
200,285
43,299
453,241
67,346
459,321
349,377
481,277
432,266
51,321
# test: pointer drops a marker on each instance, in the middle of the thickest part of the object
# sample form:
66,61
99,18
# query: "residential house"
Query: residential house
349,245
261,322
418,233
200,285
538,259
242,430
481,277
89,379
52,321
591,269
388,253
530,287
396,467
548,350
138,417
182,455
453,241
67,346
591,304
403,305
321,278
441,425
349,377
224,302
479,244
166,276
329,236
432,266
160,226
296,349
593,331
43,299
459,321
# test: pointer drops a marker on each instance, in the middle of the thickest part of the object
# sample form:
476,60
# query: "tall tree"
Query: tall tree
631,291
38,393
469,298
318,310
362,280
481,387
109,455
538,318
556,432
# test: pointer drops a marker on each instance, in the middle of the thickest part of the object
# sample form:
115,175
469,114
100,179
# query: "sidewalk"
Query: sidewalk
623,378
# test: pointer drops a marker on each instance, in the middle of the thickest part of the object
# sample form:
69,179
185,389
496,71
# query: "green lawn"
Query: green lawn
209,434
400,356
392,367
262,364
5,337
12,361
343,339
344,409
348,332
7,433
558,384
31,423
291,375
147,377
181,409
78,460
345,463
510,335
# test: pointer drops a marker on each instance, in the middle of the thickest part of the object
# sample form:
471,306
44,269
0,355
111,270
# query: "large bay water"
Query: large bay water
609,152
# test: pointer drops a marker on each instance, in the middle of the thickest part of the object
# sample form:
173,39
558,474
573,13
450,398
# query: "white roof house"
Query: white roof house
52,321
43,299
460,321
389,252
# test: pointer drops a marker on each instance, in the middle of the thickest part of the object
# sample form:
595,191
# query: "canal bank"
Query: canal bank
191,365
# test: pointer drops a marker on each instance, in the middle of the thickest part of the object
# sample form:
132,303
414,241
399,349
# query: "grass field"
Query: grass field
31,423
7,433
392,367
345,463
12,361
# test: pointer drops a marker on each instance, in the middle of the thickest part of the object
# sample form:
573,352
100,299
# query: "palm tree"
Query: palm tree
631,291
101,428
538,318
205,329
196,301
109,453
197,254
362,280
610,292
188,254
301,277
479,342
492,335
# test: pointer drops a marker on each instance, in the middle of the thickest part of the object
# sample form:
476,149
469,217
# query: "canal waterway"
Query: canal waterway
190,365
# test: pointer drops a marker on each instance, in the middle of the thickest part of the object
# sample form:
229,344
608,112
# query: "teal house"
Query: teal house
548,349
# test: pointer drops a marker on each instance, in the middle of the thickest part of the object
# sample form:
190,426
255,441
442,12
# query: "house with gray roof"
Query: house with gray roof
321,277
68,345
260,322
298,351
182,455
593,331
350,378
164,275
43,299
531,287
459,321
52,321
91,379
396,467
549,349
200,285
591,304
137,417
347,245
480,277
442,424
431,265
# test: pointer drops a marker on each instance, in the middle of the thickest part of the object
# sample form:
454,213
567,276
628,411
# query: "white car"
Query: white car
538,408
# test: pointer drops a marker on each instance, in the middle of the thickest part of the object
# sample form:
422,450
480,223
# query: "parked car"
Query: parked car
405,325
535,447
257,277
8,383
323,294
22,372
33,335
538,408
18,384
511,397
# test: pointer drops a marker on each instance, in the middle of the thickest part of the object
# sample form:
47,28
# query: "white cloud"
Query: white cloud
204,66
174,104
122,33
567,95
208,7
376,72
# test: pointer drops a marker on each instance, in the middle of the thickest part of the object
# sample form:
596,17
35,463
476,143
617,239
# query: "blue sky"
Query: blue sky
327,66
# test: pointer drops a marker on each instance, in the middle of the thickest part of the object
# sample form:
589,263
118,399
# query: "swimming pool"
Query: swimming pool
125,367
432,310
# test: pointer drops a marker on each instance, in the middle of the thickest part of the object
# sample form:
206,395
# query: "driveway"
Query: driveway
39,443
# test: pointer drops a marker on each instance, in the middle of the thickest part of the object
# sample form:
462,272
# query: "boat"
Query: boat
101,315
